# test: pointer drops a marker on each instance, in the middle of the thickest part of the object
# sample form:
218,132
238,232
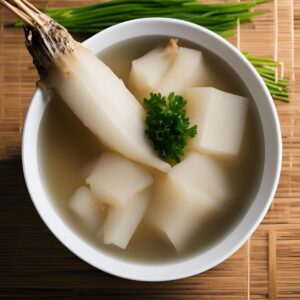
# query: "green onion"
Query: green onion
266,68
221,18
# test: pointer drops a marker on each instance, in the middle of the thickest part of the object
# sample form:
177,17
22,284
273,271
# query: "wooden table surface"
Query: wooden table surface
35,265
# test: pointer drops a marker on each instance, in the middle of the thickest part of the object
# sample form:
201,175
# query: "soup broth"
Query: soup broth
67,150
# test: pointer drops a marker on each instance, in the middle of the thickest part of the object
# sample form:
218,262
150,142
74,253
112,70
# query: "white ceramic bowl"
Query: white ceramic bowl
260,204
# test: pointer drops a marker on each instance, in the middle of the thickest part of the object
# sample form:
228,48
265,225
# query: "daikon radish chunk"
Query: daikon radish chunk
220,118
115,179
148,70
173,214
185,72
90,210
104,105
122,222
201,179
192,192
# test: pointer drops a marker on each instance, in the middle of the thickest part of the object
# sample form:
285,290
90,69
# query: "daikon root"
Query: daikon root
94,93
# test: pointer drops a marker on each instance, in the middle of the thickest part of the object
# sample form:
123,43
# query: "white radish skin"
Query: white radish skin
147,71
220,118
115,179
104,105
185,72
192,192
87,208
122,222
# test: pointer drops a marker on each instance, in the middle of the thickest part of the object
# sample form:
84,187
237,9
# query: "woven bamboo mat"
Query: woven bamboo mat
34,265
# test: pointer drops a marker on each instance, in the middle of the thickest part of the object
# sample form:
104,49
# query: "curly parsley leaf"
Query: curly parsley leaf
167,125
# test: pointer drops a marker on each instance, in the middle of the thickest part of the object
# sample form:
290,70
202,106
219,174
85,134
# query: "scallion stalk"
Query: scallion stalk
266,68
221,18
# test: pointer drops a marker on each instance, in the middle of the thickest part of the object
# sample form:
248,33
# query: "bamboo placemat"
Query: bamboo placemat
34,265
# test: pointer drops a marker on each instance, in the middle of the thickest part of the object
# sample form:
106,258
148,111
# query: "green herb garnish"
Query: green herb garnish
168,126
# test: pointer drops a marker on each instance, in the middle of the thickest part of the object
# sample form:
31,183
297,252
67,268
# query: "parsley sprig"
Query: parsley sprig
168,126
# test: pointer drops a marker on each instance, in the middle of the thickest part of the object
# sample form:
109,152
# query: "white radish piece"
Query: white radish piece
220,118
115,179
90,210
186,71
121,222
169,69
148,70
93,92
103,103
173,214
193,191
201,179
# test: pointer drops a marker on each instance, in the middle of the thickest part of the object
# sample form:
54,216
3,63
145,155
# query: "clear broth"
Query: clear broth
67,149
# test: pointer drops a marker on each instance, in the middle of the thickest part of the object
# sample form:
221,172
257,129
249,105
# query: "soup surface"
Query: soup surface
67,151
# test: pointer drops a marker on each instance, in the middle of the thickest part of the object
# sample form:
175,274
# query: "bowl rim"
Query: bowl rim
191,265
